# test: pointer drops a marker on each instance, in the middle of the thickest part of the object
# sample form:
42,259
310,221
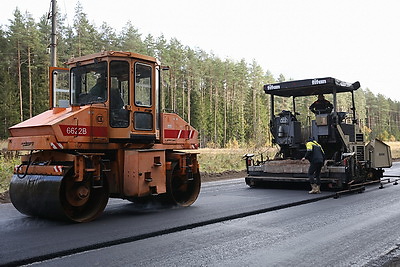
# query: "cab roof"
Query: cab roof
104,54
308,87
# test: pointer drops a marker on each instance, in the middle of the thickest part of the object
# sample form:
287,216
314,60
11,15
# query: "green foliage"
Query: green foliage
220,160
223,99
6,170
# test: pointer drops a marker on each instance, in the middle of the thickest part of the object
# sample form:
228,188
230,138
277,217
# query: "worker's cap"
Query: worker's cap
310,139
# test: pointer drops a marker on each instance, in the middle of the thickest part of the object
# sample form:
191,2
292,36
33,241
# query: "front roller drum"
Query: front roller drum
58,197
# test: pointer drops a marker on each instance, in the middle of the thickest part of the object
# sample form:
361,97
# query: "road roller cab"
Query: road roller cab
104,135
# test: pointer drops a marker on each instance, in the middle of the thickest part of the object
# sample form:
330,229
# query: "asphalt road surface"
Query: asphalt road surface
229,225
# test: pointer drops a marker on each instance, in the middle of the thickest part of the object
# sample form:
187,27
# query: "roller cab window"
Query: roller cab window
143,116
59,92
119,94
143,85
89,84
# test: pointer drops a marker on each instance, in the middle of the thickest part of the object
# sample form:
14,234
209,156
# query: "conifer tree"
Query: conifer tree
223,99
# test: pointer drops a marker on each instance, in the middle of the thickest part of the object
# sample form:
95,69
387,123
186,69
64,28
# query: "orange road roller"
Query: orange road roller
103,136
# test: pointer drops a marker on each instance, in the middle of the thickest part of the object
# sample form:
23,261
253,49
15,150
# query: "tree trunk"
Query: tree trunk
21,112
225,111
255,115
170,91
79,44
183,98
188,101
202,113
30,83
173,92
215,115
162,93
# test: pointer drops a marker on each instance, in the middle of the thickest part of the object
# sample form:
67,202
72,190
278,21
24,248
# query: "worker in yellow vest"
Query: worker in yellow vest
316,156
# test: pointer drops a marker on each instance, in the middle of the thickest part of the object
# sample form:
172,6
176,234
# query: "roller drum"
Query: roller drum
56,197
37,195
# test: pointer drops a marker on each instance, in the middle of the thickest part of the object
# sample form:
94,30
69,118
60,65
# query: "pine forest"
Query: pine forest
222,98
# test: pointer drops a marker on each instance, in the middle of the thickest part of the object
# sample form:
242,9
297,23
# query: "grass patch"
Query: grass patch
7,165
395,148
219,160
3,144
6,170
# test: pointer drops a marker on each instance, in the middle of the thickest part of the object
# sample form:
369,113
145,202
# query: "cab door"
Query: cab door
143,126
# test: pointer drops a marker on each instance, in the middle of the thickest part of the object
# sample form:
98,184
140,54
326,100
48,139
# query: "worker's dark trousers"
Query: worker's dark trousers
314,173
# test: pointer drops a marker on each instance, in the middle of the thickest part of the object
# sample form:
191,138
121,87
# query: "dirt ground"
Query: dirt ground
205,177
209,177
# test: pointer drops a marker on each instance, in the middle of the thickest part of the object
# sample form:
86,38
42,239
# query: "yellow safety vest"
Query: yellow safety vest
310,144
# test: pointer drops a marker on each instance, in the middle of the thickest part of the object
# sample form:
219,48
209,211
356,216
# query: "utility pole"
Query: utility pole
53,44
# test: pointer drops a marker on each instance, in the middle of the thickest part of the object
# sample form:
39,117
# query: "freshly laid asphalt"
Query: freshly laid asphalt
230,224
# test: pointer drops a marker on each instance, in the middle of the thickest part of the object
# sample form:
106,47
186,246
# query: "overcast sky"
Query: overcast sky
352,40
